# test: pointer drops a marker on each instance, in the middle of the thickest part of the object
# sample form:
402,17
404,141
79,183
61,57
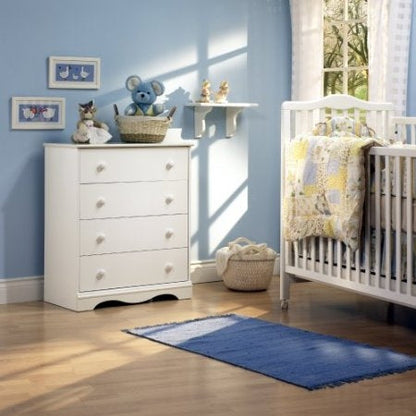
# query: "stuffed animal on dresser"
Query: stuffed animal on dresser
90,130
144,95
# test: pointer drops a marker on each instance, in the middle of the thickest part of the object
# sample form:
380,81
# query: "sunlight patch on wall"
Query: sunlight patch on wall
228,199
168,63
231,214
175,61
228,169
227,42
233,64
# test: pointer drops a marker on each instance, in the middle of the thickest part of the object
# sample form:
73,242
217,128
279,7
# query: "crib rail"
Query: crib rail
404,129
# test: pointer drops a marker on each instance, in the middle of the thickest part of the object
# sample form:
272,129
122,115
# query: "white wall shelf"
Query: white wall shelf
231,112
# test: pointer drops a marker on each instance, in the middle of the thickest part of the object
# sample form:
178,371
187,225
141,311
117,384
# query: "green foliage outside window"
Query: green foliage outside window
345,47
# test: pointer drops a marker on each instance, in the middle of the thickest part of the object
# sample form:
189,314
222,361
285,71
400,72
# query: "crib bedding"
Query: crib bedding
325,187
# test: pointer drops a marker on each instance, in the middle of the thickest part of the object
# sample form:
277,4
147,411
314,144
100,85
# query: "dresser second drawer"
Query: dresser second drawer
133,199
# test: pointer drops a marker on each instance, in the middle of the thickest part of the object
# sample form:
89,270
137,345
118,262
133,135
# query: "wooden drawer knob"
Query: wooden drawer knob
169,233
168,267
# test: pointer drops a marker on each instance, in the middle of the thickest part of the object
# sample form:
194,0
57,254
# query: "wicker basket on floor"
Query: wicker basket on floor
247,267
248,275
143,129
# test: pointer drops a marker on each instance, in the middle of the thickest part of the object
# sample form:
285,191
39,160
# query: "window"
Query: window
345,35
385,50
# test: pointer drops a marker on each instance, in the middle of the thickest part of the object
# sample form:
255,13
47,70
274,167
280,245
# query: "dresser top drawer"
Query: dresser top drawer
133,164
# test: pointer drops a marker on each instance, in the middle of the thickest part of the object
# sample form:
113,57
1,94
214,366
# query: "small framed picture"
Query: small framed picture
38,113
74,72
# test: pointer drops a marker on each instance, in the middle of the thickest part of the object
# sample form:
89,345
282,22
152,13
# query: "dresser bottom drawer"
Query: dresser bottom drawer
108,271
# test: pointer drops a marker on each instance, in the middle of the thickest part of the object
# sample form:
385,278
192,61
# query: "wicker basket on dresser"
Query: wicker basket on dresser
116,223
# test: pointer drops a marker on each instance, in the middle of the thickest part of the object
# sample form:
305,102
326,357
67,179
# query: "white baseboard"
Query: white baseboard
21,289
204,272
30,289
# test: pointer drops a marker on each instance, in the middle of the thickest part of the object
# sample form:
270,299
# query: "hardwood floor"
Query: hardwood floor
62,363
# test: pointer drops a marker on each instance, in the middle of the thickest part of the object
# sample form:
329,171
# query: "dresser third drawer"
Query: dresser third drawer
114,235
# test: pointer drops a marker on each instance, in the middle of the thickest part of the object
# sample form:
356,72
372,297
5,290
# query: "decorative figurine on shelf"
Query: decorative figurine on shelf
89,130
222,93
144,95
205,92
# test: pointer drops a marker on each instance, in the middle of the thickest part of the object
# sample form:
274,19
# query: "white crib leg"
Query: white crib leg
284,290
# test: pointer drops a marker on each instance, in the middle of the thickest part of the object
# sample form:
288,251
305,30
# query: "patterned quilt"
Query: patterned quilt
325,188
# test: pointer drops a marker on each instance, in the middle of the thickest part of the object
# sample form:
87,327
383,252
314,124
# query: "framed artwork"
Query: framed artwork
74,72
38,113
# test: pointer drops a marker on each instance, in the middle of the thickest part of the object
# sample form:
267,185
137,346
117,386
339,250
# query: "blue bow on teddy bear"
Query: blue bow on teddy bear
144,95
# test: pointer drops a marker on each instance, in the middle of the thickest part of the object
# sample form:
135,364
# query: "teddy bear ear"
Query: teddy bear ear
158,87
132,82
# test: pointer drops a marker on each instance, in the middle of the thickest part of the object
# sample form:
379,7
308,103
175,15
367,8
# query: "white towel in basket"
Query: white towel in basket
248,250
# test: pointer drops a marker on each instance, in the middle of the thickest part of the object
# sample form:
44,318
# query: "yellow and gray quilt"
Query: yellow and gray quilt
325,187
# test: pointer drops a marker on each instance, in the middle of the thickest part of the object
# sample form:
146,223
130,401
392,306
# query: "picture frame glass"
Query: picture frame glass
38,113
74,72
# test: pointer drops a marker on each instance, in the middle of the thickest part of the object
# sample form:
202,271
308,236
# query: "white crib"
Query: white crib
385,264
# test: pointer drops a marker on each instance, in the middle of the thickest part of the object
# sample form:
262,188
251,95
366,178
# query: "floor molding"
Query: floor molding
21,289
204,272
30,289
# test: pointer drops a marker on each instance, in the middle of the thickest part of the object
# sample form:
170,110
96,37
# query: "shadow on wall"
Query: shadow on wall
236,181
23,233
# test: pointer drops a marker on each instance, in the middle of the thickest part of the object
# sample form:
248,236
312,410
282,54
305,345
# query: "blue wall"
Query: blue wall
235,181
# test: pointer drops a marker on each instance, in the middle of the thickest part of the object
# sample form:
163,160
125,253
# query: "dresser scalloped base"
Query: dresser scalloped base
87,301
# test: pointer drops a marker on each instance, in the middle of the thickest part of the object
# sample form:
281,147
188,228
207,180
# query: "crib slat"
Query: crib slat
367,226
377,214
409,229
397,223
330,248
313,253
348,264
339,259
321,255
387,234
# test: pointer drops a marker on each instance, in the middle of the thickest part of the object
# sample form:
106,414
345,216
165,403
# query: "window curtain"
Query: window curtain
388,43
307,49
389,24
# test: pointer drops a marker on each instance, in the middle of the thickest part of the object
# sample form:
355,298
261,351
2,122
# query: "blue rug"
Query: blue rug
299,357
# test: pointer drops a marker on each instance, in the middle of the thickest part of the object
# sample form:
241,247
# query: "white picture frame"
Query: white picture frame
38,113
74,72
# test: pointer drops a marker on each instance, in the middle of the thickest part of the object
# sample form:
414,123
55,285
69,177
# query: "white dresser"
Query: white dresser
116,223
